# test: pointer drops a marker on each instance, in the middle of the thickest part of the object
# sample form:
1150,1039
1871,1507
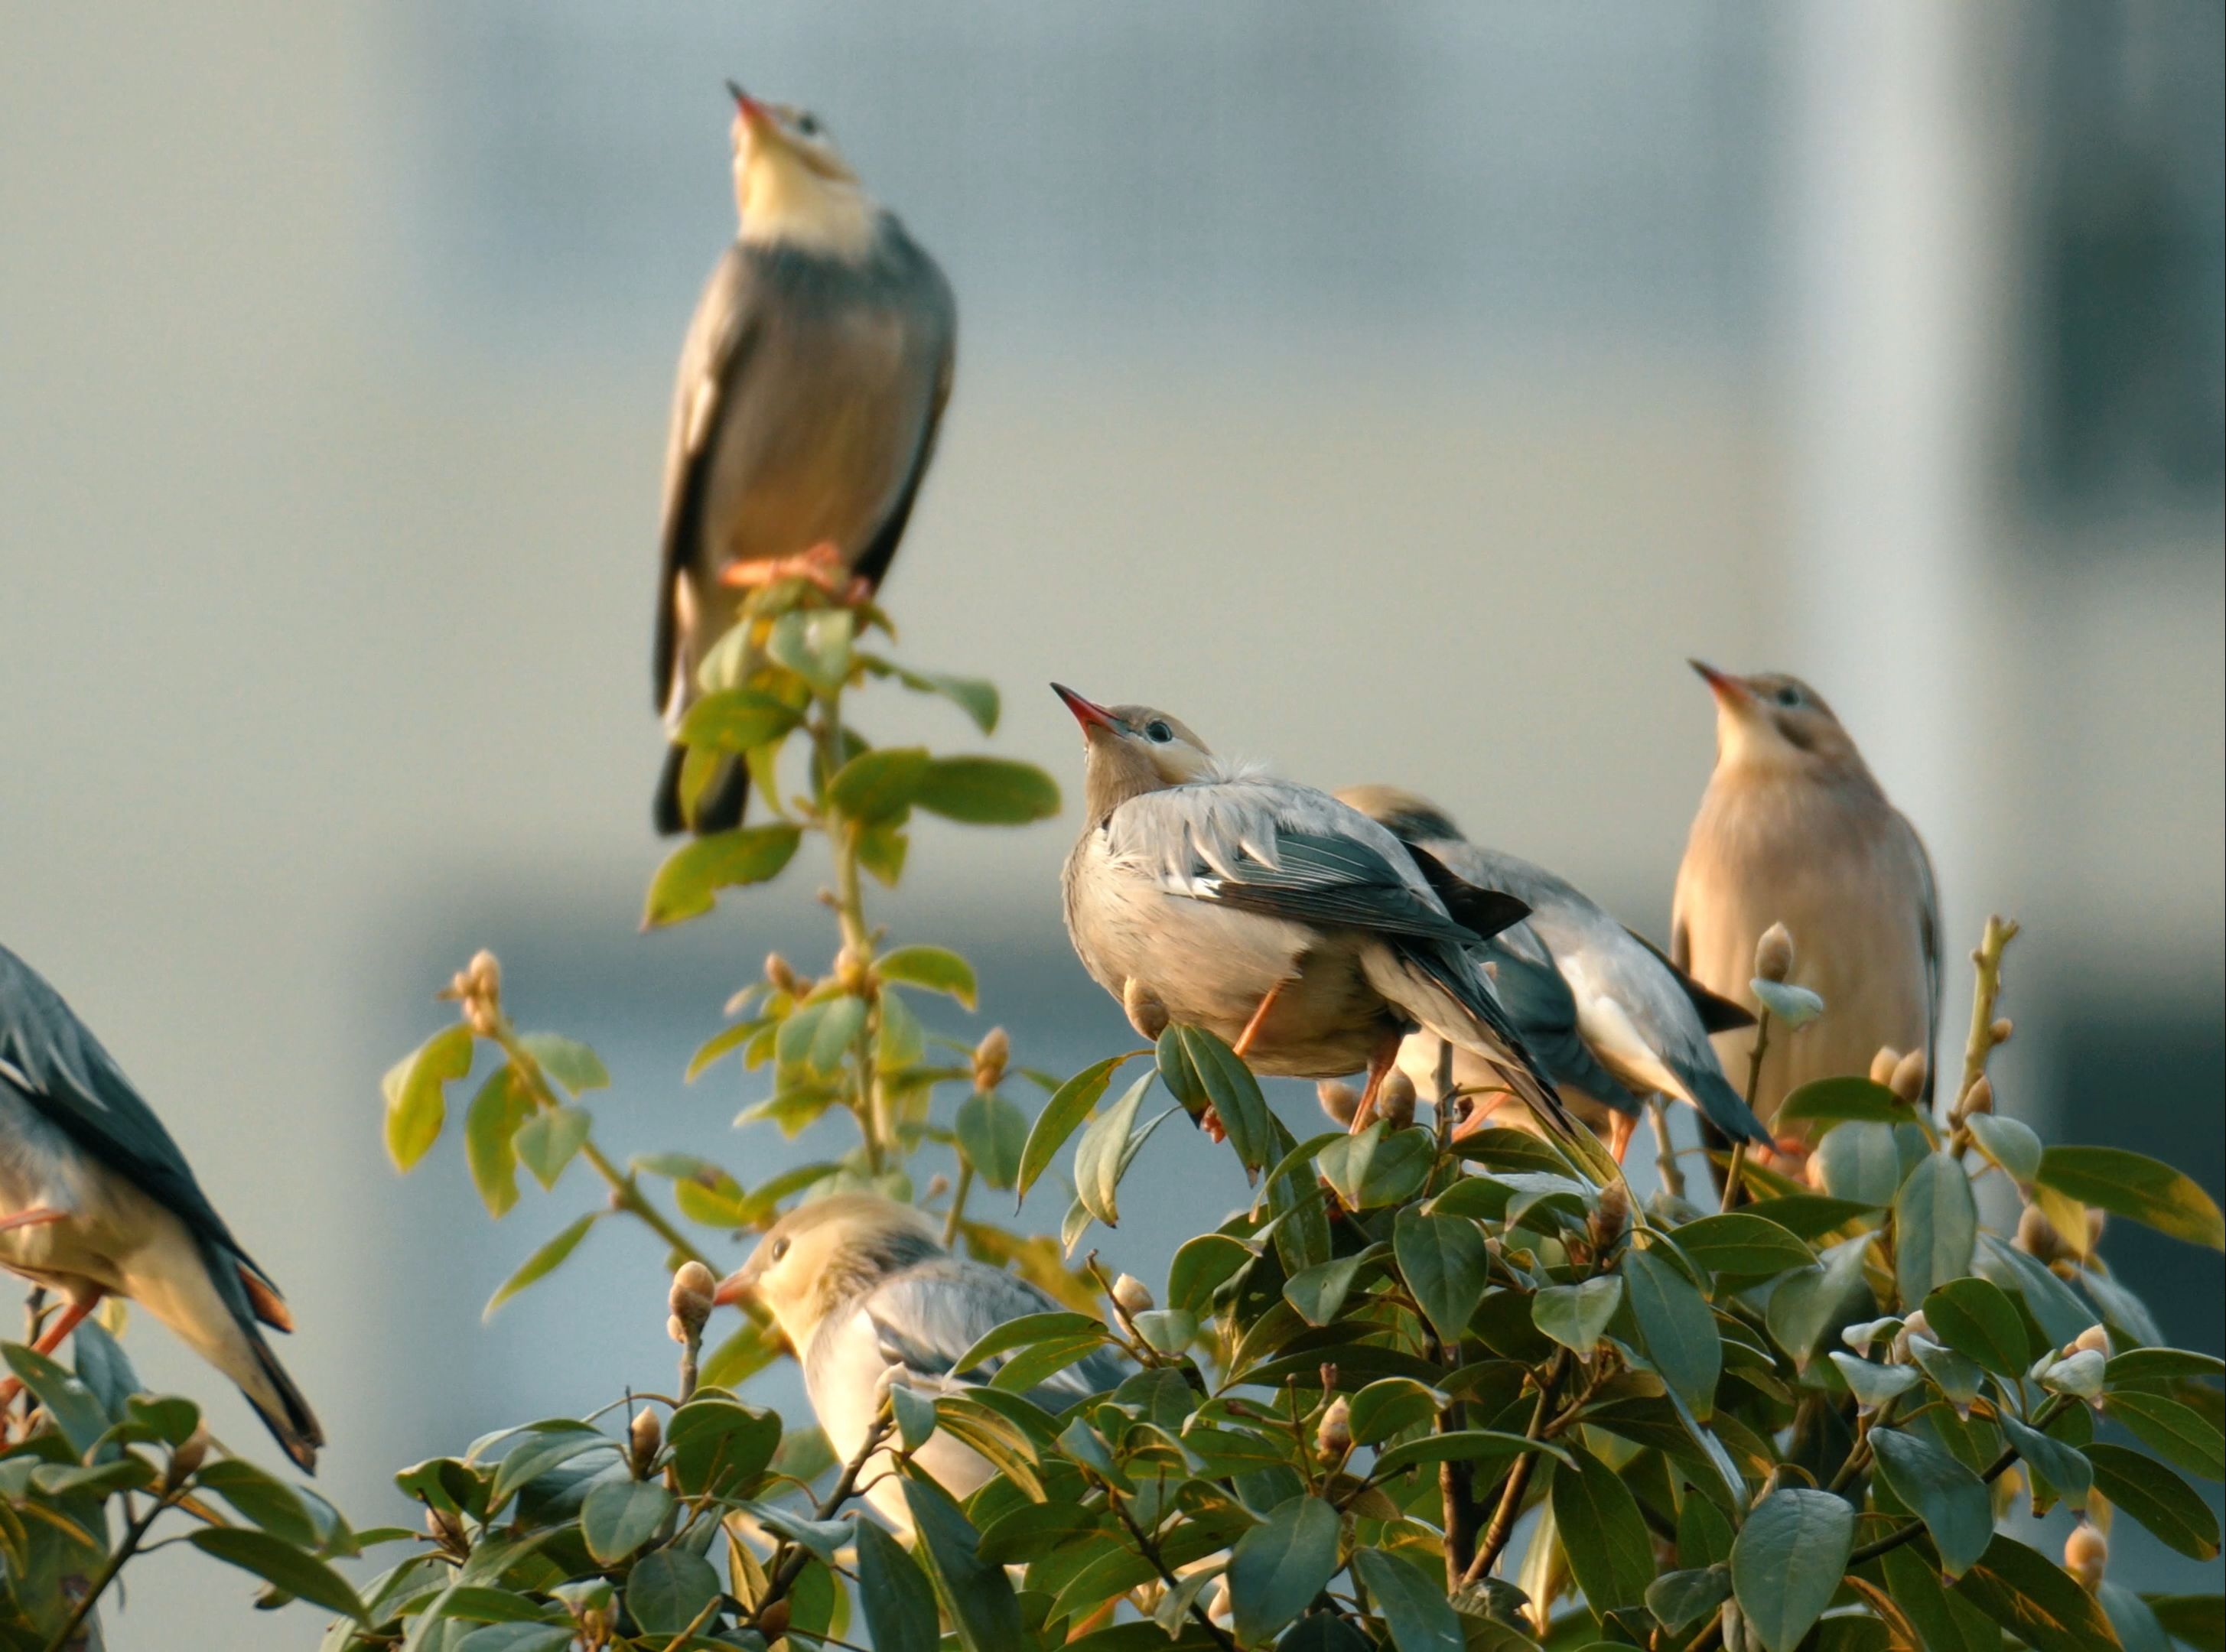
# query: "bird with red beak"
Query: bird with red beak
811,389
1292,926
1795,829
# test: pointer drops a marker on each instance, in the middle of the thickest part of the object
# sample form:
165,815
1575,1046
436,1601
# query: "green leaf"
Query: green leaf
1463,1446
1978,1320
2009,1142
2199,1621
571,1062
547,1142
2161,1365
1389,1405
1444,1261
619,1515
76,1412
281,1564
1787,1562
936,968
1201,1266
2153,1495
898,1600
1278,1568
735,720
543,1262
1379,1166
1811,1215
1104,1152
1202,1072
2059,1313
1069,1105
1805,1304
987,790
1678,1598
1576,1316
977,1594
416,1105
540,1449
1860,1161
2131,1185
692,874
479,1604
1953,1502
1603,1533
1026,1332
1032,1531
1678,1329
1318,1292
2049,1460
2176,1433
668,1589
1738,1243
973,695
2035,1600
2131,1617
516,1637
261,1498
495,1113
815,643
1936,1224
1840,1099
1412,1606
1874,1385
720,1446
991,1133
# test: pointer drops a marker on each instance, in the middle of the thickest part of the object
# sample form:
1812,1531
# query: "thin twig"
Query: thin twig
124,1551
791,1559
1665,1158
1502,1528
1986,990
1150,1550
1738,1168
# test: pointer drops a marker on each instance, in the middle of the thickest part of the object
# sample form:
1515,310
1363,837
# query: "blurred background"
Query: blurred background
1398,394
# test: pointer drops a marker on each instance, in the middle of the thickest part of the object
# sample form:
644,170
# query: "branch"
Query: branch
791,1559
1502,1528
1985,991
124,1551
1738,1167
1150,1550
1894,1538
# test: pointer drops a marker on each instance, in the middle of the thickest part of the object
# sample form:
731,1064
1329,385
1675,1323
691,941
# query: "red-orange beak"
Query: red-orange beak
1728,690
1088,713
749,109
732,1289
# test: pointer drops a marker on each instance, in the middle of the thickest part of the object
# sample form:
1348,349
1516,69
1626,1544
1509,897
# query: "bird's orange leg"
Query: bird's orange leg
67,1321
1619,1128
1379,1066
822,565
35,1217
1244,1044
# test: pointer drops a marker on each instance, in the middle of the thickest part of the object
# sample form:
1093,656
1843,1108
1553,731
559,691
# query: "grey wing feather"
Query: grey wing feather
1539,1002
53,1059
716,345
1928,929
937,314
930,1314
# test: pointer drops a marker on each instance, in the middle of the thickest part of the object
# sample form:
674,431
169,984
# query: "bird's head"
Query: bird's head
1773,721
826,1253
791,184
1407,815
1130,750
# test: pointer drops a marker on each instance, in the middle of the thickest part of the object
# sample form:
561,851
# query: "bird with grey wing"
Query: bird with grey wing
866,1293
96,1200
1289,925
811,389
1610,1018
1795,829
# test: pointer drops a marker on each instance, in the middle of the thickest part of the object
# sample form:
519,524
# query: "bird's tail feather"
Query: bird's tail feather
283,1411
1443,991
1723,1106
718,808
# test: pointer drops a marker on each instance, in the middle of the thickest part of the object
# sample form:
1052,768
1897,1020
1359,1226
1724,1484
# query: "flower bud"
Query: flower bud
2094,1339
1980,1098
1908,1080
1340,1100
1133,1295
850,970
773,1622
2036,1235
1774,953
1883,1064
1395,1100
693,1288
2096,1222
2086,1553
644,1436
481,1017
187,1455
2008,1487
1145,1014
485,971
990,1058
1916,1325
678,1330
1611,1217
783,979
2001,1029
1333,1438
937,1185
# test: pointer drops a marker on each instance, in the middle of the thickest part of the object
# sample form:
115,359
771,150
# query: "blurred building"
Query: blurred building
1400,394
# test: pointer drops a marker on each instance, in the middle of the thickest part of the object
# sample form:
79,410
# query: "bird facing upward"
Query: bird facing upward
1290,926
96,1200
867,1295
1793,829
1610,1018
811,388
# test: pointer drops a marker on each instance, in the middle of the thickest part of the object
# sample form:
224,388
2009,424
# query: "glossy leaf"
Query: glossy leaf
619,1515
1200,1070
898,1600
280,1565
1679,1599
1201,1266
1576,1316
1412,1604
688,881
1389,1405
1103,1153
2009,1142
2035,1600
1677,1327
416,1103
1978,1320
2049,1458
987,790
933,967
1278,1568
1069,1105
668,1589
735,720
2155,1496
1443,1259
2176,1433
1936,1224
1787,1562
1739,1242
544,1261
991,1132
75,1410
2131,1185
1378,1166
1606,1537
977,1595
1843,1099
1953,1502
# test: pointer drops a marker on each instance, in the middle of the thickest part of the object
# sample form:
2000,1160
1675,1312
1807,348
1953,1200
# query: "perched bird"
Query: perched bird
811,388
1794,829
1608,1016
96,1200
1274,916
867,1295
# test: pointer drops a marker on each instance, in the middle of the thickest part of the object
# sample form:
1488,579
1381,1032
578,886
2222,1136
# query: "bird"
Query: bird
1793,829
97,1200
866,1295
810,389
1300,931
1611,1018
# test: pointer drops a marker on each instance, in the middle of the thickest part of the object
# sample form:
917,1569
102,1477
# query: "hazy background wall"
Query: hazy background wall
1400,393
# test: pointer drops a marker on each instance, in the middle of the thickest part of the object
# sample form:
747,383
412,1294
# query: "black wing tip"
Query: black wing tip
1485,911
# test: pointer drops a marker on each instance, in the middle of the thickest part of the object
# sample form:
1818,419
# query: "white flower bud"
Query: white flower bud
1333,1438
2086,1554
2000,1029
2094,1339
1774,953
644,1436
693,1288
1883,1064
1907,1081
1340,1100
1395,1100
991,1056
1133,1295
1980,1098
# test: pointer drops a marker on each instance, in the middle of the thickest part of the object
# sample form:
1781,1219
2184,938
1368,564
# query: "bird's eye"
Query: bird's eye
1158,732
808,124
1789,697
779,1248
